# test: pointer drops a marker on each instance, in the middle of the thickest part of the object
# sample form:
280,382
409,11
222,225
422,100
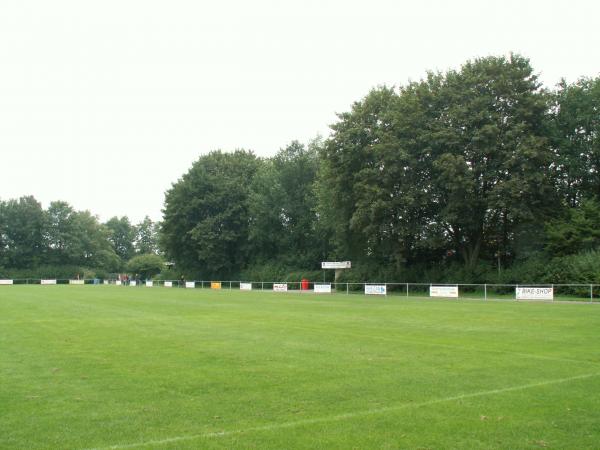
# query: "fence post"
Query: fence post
347,288
591,293
262,285
552,292
485,291
407,289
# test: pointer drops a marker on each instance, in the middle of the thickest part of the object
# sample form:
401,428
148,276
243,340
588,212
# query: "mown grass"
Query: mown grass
119,367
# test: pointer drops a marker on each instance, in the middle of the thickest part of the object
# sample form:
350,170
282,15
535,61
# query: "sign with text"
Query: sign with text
149,284
47,282
168,284
322,288
76,282
535,293
215,285
280,287
245,286
133,283
6,282
336,265
443,291
375,289
190,284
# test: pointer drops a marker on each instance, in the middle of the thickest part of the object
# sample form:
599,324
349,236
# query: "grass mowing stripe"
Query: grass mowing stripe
346,416
402,339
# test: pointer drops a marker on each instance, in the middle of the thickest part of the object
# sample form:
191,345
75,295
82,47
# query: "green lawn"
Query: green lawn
120,367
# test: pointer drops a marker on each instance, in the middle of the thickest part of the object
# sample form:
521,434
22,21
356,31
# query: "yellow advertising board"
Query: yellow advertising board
215,285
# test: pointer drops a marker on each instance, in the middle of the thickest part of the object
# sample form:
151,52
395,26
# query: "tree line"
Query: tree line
471,175
474,174
60,241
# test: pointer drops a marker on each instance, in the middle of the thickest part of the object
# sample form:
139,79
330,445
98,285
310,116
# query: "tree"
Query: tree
23,232
60,233
576,232
282,208
206,219
491,155
456,163
575,136
146,237
146,265
342,162
121,236
91,246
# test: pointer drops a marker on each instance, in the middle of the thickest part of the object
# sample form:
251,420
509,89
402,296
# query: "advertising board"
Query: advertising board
245,286
215,285
168,284
280,287
190,284
46,282
534,293
443,291
375,289
6,282
322,288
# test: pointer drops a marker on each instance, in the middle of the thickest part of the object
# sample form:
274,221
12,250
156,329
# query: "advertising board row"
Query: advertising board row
443,291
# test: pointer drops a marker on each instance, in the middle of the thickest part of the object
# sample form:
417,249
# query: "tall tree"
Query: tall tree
146,237
282,208
492,157
23,227
576,139
206,219
122,237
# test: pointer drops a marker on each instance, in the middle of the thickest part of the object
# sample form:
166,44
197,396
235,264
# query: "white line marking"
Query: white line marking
345,416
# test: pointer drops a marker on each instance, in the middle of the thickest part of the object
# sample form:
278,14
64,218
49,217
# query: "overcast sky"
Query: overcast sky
105,104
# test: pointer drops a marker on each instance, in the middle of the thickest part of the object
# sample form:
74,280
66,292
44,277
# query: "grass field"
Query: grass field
115,367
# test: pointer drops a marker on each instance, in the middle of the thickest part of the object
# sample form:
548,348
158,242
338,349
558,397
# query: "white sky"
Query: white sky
104,104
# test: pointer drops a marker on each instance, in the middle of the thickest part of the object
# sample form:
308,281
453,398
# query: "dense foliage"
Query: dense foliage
476,174
62,242
461,175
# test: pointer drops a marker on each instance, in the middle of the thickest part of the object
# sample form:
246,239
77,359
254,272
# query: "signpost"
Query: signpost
338,266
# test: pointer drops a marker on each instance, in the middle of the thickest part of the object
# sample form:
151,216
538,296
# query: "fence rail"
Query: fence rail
587,292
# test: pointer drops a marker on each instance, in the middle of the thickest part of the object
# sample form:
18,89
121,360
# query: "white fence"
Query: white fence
529,292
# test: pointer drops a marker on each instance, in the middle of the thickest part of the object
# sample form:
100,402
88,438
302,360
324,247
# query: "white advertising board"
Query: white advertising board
375,289
443,291
336,265
280,287
118,282
322,288
149,283
76,282
190,284
47,282
245,286
105,282
133,283
6,282
534,293
168,284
